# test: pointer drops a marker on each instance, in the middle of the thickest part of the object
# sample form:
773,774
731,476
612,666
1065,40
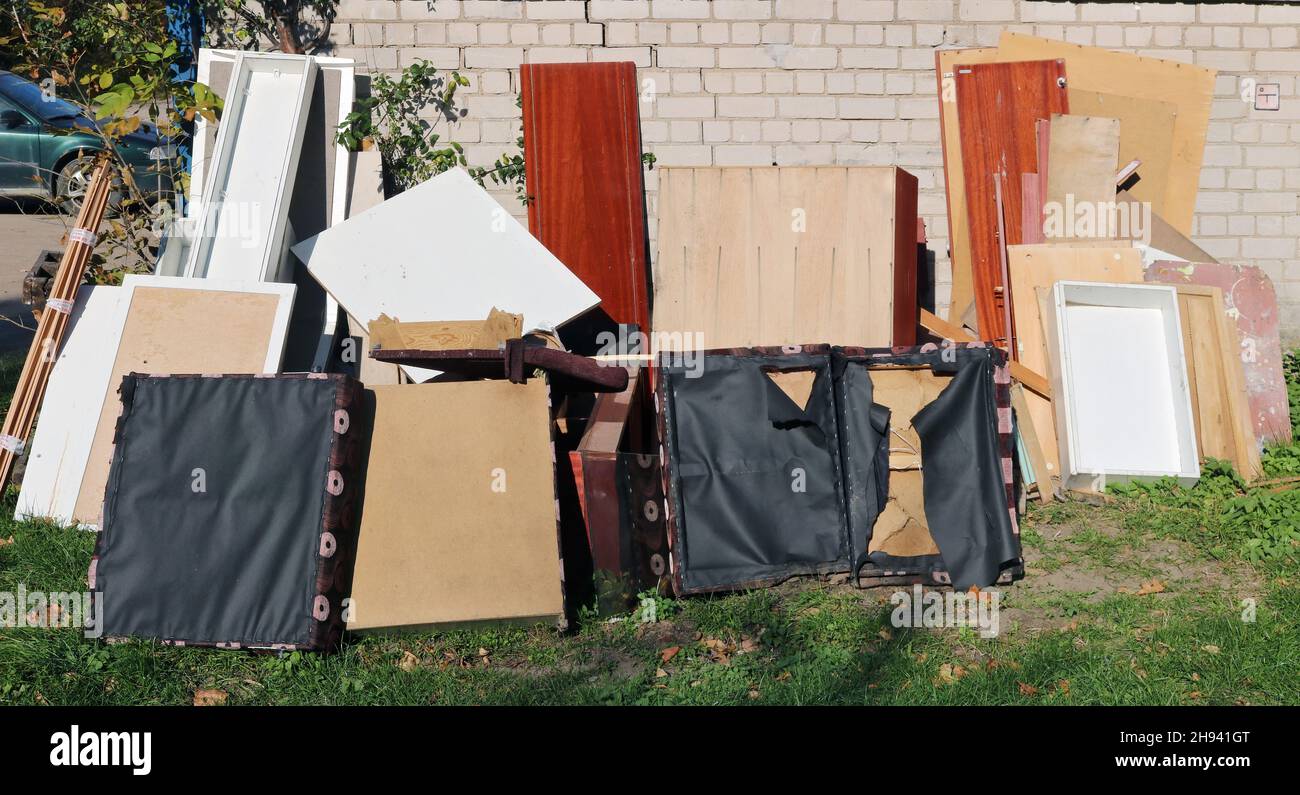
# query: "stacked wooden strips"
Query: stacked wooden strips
53,323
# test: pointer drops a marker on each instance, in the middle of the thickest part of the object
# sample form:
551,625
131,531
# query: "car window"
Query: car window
5,105
29,95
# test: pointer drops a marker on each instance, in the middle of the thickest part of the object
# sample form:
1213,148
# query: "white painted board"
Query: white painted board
443,250
240,231
74,393
1123,406
79,385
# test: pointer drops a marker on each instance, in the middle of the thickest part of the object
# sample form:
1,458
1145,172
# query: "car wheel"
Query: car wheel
73,181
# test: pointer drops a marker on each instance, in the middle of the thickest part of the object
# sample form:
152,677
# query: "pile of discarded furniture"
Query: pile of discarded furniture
334,410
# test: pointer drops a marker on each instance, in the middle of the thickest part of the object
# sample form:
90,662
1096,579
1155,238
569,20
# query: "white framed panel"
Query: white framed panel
1122,399
242,216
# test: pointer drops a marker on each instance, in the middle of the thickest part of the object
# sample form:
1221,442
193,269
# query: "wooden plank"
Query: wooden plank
1250,305
446,335
466,256
1032,267
1020,372
1083,154
1189,88
1034,446
1146,133
460,519
785,256
1003,101
582,152
954,178
1162,236
174,325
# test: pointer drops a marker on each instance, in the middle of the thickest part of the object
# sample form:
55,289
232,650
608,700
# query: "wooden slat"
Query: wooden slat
785,256
1033,445
1190,88
1042,266
951,331
51,326
1002,101
582,152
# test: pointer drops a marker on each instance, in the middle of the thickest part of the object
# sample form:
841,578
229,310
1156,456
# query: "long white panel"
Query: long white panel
240,230
75,392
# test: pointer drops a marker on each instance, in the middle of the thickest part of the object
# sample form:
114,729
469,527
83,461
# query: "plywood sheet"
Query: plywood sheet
459,522
1146,133
443,250
1003,101
781,256
1214,374
954,178
582,151
1250,303
1189,88
171,325
1032,267
1083,154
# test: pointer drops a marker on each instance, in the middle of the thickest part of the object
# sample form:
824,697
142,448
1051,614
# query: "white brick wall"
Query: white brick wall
740,82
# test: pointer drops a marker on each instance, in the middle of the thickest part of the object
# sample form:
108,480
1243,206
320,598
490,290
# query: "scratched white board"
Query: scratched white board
443,250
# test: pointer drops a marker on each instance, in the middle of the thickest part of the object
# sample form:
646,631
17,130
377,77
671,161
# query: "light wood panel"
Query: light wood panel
459,522
785,256
1214,373
1083,154
1189,88
1146,133
1031,267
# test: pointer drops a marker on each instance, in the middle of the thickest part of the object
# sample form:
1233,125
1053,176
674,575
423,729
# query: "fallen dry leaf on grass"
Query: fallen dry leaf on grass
4,542
1211,648
753,695
669,653
660,673
1027,689
409,662
949,673
210,698
1150,587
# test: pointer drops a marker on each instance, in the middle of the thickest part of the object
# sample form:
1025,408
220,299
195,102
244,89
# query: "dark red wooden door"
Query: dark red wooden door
582,155
998,105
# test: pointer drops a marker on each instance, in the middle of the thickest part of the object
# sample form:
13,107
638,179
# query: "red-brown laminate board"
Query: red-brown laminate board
998,106
582,155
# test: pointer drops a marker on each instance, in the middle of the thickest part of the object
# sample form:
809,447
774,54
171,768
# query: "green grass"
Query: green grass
1075,631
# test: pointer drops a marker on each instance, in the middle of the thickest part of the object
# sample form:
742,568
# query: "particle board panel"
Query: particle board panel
1032,267
1003,101
459,521
1250,303
778,256
954,179
168,325
1214,375
1189,88
588,202
52,479
1146,133
467,255
1083,155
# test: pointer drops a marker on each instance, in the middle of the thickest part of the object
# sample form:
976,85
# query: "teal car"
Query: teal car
46,151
